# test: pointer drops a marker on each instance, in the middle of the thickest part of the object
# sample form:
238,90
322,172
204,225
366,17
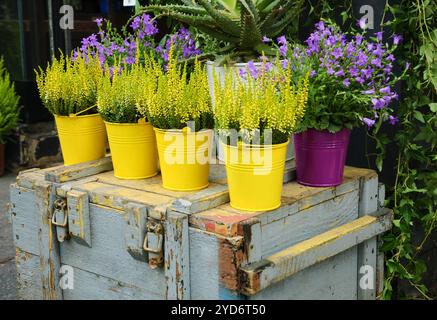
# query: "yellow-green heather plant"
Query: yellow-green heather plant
254,103
178,97
69,86
125,89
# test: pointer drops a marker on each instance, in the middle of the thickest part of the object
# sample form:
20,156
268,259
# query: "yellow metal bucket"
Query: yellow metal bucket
82,138
255,176
133,150
184,158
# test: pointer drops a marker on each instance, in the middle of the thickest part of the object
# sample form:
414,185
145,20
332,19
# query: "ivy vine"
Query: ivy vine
414,193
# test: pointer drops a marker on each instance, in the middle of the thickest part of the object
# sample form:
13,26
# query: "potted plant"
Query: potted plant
68,89
180,111
351,85
131,138
255,115
9,111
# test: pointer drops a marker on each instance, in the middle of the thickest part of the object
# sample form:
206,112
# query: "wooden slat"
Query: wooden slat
367,251
65,174
177,257
49,253
224,219
258,276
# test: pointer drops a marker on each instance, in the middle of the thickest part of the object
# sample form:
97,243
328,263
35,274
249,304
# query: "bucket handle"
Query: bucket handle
85,110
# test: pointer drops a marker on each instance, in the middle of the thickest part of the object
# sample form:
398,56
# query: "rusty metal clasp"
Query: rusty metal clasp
155,231
60,205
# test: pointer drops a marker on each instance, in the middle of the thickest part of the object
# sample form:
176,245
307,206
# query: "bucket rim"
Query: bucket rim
120,124
181,132
241,145
76,117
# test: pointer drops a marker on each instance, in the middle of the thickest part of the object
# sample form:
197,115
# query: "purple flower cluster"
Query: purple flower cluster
355,65
183,43
145,26
109,46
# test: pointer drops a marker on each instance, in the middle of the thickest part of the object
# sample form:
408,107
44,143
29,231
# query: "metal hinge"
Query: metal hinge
153,243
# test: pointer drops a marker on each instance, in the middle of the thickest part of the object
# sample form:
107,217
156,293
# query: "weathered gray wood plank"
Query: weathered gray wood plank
108,256
333,279
75,172
288,262
91,286
25,221
79,224
177,257
308,223
49,254
29,285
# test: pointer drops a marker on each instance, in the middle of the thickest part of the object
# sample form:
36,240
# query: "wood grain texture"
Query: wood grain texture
333,279
92,286
288,262
367,251
69,173
79,224
25,221
213,266
135,230
308,223
49,254
108,256
177,257
29,284
224,220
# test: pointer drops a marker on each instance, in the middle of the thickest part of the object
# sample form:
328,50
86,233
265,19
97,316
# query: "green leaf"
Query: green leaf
419,116
433,107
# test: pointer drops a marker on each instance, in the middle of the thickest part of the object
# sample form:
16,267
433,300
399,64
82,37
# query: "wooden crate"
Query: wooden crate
320,244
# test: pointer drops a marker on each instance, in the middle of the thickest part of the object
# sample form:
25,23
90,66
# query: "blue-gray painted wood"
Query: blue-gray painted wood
49,254
25,220
367,252
108,256
333,279
79,224
305,224
177,257
29,284
135,230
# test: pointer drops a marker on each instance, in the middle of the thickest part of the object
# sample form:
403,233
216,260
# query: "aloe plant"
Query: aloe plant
242,24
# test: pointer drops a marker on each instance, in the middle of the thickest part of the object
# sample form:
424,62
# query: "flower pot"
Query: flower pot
184,158
133,150
82,138
2,159
321,157
255,176
220,73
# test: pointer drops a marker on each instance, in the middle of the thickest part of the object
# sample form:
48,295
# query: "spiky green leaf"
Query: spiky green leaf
225,23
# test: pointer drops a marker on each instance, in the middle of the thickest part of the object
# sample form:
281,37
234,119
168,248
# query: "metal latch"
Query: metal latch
60,219
153,243
60,207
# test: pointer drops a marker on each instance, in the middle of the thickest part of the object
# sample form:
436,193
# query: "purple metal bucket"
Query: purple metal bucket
321,157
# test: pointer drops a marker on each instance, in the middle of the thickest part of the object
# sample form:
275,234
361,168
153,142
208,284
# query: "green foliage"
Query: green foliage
9,111
175,97
120,91
414,195
240,23
70,87
270,101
